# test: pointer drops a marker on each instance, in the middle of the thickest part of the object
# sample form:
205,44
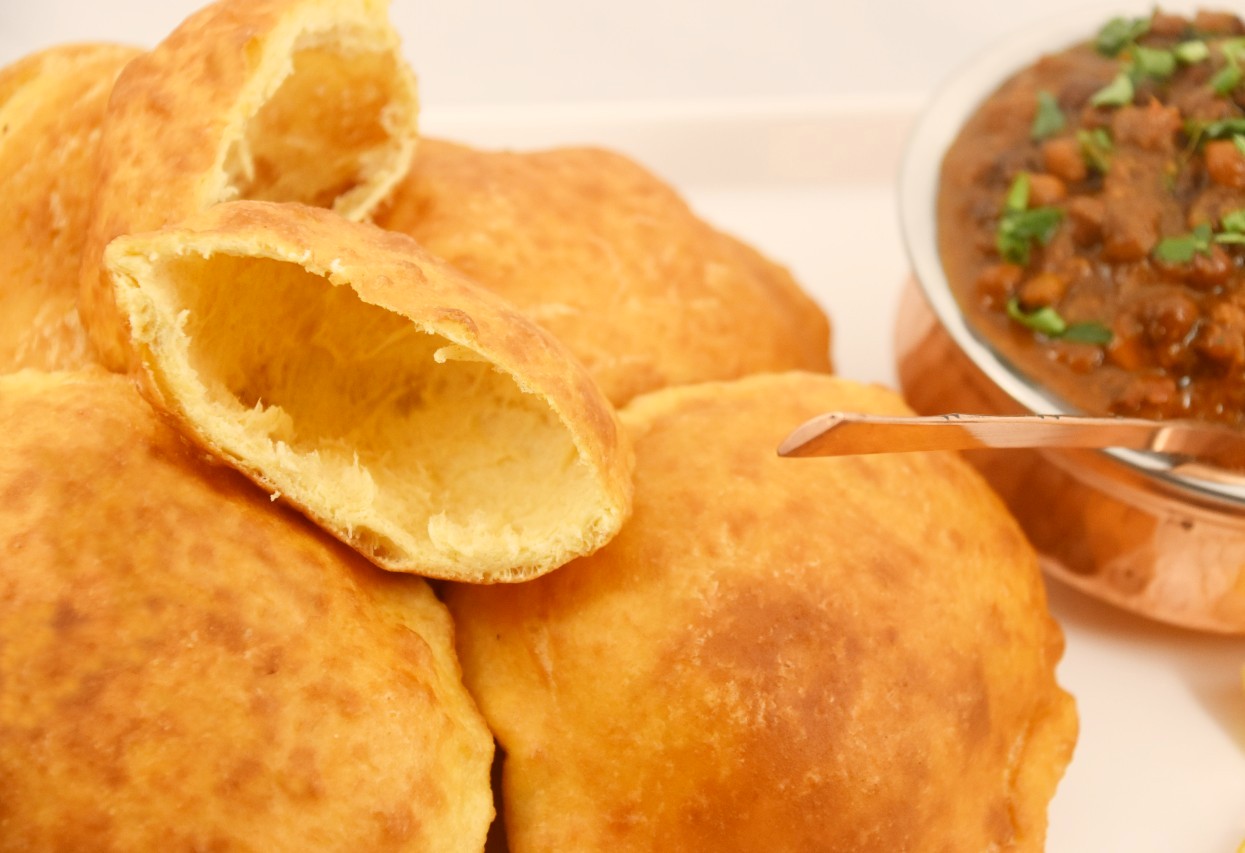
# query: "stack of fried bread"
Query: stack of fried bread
268,361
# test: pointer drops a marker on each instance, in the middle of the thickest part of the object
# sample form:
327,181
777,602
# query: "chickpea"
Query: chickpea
1210,270
1225,164
997,282
1085,216
1062,158
1045,190
1045,288
1126,350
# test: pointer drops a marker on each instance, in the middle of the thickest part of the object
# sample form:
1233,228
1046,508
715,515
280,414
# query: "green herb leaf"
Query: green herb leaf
1096,148
1019,226
1017,194
1180,250
1088,333
1226,79
1233,49
1048,120
1191,52
1221,129
1117,93
1234,238
1045,319
1153,62
1019,229
1229,77
1234,222
1119,33
1048,322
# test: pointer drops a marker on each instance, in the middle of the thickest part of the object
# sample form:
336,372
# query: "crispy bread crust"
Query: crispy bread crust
777,654
187,666
180,113
612,261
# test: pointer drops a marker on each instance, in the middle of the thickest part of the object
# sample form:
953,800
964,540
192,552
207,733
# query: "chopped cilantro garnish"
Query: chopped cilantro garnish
1234,222
1049,118
1239,141
1200,131
1048,322
1019,226
1096,148
1232,227
1229,77
1118,33
1226,79
1017,194
1153,62
1233,49
1045,319
1117,93
1088,333
1181,249
1191,52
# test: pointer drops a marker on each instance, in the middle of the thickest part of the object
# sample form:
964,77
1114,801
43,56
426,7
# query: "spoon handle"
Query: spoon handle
850,433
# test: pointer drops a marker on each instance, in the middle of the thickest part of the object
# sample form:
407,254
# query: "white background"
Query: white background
784,121
546,51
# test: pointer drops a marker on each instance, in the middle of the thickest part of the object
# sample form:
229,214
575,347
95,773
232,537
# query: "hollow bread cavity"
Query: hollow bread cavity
325,132
401,440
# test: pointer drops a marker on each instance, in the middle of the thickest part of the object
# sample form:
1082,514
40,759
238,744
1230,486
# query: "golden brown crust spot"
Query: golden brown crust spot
51,107
613,262
183,664
775,653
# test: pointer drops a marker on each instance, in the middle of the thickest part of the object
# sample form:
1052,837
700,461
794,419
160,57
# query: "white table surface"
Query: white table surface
762,114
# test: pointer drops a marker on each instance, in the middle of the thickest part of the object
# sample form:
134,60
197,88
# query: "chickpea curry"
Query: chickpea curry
1092,219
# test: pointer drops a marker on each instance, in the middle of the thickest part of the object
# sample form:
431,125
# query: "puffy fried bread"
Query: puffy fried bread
51,106
613,262
278,100
777,654
413,414
187,666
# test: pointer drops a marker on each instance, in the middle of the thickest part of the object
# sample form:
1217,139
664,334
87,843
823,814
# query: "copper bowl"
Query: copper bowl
1119,525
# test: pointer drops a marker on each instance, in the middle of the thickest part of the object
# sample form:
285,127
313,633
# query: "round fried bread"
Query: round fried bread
613,262
278,100
51,107
413,414
184,665
777,654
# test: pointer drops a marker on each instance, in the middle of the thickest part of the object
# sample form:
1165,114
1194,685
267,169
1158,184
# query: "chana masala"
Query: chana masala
1092,219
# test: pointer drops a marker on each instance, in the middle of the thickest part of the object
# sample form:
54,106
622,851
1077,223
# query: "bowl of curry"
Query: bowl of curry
1073,206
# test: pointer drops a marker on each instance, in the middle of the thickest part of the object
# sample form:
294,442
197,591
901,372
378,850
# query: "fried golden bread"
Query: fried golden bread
413,414
51,107
279,100
777,654
613,262
186,666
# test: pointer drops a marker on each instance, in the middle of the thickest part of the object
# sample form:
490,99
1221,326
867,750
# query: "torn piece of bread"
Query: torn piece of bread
777,654
279,100
415,415
188,667
51,107
612,261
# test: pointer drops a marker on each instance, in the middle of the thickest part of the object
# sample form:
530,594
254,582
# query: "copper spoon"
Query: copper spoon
849,433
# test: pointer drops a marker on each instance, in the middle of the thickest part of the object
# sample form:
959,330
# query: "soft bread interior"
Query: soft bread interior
325,132
408,442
